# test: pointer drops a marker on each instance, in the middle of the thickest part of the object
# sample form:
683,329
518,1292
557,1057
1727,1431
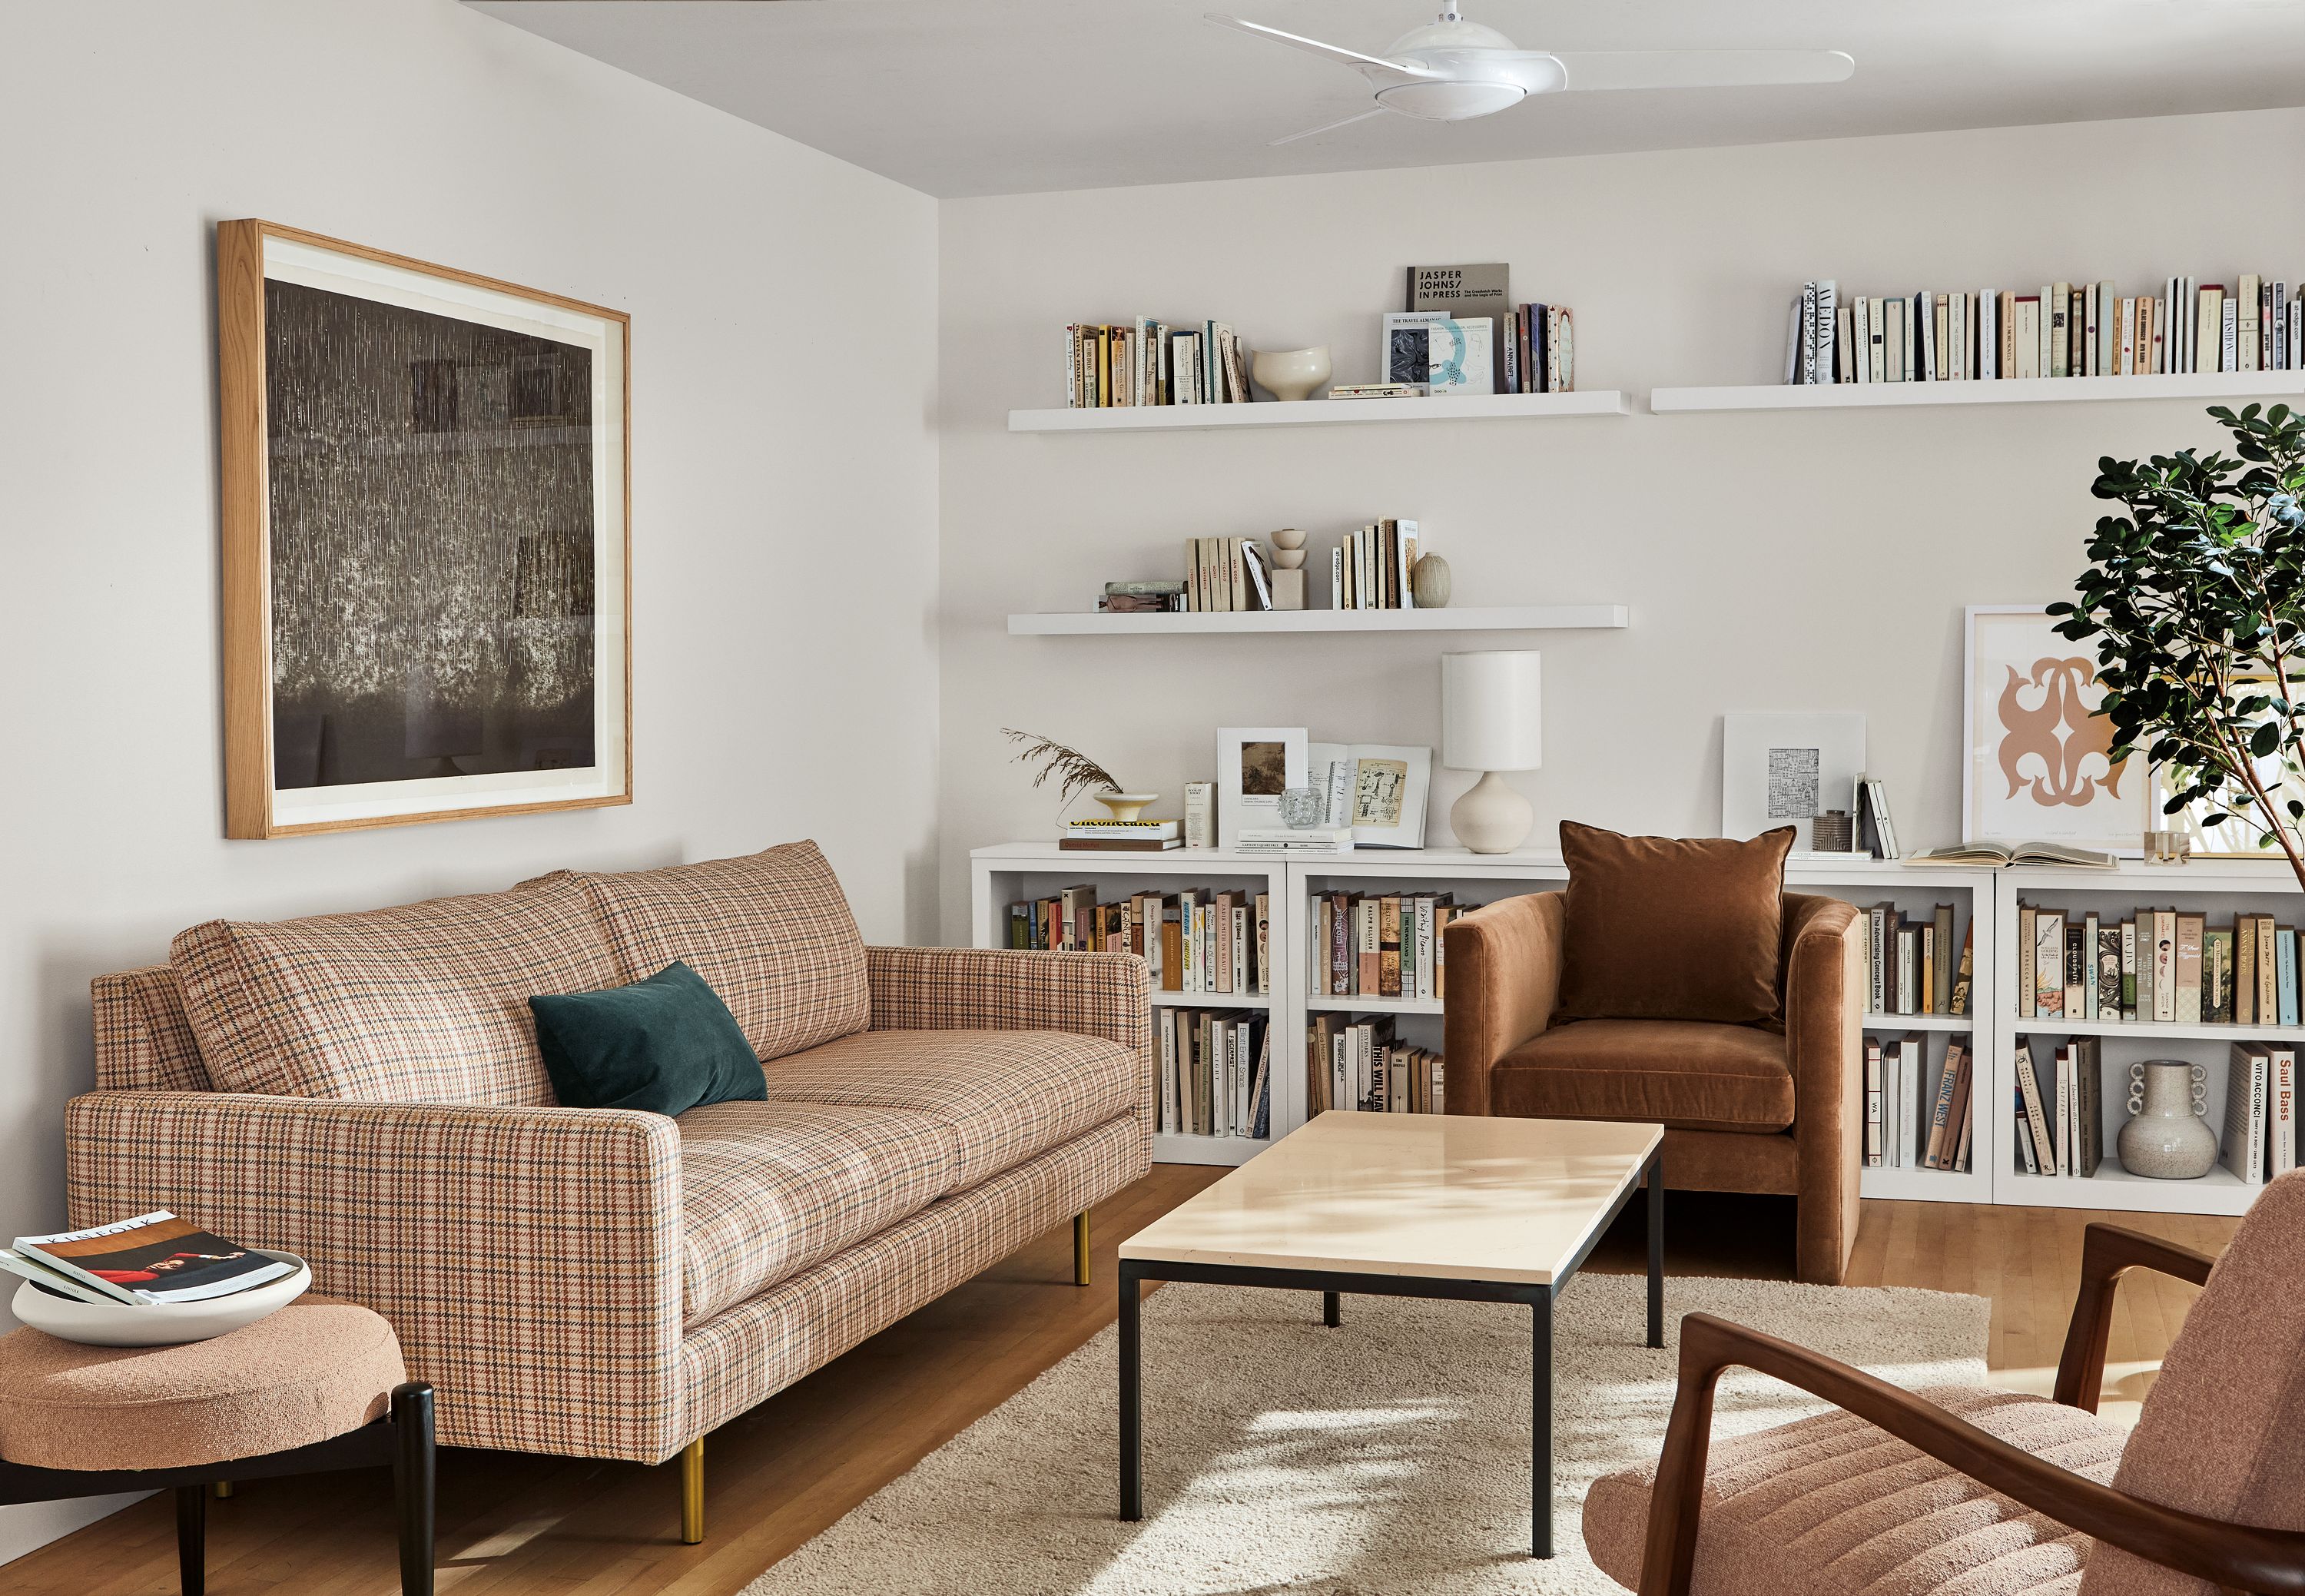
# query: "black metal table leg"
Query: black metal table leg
1540,1426
191,1538
1132,1395
413,1484
1332,1309
1657,1248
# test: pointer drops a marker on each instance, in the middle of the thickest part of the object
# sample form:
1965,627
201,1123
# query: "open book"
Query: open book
1994,855
153,1258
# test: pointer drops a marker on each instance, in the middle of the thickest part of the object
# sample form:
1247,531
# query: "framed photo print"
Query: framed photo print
1254,764
2037,768
1779,770
426,549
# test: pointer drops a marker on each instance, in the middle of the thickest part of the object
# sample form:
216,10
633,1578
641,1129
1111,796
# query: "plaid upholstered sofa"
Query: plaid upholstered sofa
365,1090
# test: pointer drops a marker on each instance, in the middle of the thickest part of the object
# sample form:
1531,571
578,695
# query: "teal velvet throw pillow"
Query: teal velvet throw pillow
667,1044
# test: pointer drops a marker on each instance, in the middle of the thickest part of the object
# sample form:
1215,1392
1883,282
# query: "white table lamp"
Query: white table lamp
1491,720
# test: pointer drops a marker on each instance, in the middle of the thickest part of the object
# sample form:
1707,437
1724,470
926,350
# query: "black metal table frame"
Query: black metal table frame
1331,1284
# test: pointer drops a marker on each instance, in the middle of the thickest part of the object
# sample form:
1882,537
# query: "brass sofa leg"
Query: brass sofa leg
691,1492
1080,1249
220,1489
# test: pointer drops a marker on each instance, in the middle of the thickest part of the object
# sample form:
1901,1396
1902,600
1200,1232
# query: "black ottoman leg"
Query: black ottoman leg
192,1538
412,1483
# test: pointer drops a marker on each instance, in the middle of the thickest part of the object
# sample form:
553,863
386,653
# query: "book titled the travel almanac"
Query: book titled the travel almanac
153,1258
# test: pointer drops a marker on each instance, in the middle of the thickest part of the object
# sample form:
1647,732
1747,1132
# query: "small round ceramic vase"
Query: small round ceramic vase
1428,579
2165,1138
1291,373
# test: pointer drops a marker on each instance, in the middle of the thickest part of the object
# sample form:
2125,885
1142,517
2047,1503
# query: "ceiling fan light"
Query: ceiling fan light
1457,101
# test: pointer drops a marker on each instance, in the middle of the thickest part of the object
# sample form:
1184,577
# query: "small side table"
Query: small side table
315,1387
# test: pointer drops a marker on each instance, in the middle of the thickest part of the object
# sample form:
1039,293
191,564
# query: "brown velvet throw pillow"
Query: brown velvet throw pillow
1667,928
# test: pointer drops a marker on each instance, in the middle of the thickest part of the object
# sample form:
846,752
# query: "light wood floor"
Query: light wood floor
514,1524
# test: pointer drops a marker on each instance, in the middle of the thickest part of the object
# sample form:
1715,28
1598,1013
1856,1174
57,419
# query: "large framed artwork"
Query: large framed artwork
426,549
2037,766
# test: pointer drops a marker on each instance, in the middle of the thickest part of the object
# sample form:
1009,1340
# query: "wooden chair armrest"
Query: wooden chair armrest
2108,1251
2243,1556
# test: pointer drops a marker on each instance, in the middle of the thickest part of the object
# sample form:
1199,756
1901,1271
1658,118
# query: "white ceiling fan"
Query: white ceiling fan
1451,69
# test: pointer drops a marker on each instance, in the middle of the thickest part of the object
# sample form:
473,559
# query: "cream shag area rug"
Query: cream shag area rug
1386,1457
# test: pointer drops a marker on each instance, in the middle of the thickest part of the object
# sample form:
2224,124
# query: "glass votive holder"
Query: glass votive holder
1302,807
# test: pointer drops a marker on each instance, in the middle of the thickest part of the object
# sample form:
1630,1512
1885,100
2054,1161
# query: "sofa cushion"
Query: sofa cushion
1667,928
1001,1096
427,1003
770,933
1679,1073
768,1188
1834,1506
664,1046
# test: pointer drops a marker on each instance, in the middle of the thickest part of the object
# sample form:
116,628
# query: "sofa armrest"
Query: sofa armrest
1094,995
1825,1044
529,1259
1503,974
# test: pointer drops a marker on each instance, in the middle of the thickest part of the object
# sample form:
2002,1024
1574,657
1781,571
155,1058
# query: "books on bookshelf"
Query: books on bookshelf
2060,1110
153,1258
1195,940
2260,1133
1917,1117
1361,1066
1379,945
2059,329
1220,573
1215,1073
2161,966
1913,967
1111,365
1121,836
1369,568
1156,596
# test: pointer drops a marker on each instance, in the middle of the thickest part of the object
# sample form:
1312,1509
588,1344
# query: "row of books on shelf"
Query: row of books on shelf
1912,966
1388,946
2064,329
1361,1066
1215,1073
2060,1109
1195,940
1369,568
1914,1117
1151,361
2164,966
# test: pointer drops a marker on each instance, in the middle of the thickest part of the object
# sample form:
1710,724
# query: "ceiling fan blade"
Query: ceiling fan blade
1371,64
1330,126
1702,69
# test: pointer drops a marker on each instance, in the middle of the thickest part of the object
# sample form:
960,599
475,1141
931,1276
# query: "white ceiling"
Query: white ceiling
981,96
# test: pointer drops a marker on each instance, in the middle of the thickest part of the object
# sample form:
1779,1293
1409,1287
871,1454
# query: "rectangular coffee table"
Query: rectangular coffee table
1446,1206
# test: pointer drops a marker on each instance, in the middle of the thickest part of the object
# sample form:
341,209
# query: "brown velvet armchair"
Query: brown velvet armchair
1775,1107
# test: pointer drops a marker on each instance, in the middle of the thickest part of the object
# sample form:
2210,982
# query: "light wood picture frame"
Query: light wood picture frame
2034,758
426,561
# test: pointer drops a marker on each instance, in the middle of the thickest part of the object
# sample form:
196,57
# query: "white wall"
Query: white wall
1793,561
784,552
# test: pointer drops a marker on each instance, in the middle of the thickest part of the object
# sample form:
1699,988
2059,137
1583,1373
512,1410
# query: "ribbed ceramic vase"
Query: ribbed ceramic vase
2165,1138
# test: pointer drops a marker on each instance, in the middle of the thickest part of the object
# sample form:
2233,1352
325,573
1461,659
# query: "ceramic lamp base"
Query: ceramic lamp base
1493,817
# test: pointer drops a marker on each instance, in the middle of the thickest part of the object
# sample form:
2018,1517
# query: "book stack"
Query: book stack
2059,329
1121,836
2162,966
1388,946
2260,1140
1914,1117
1360,1066
1157,596
1911,967
1215,1074
1319,842
153,1258
2059,1108
1369,568
1460,333
1148,361
1225,574
1195,940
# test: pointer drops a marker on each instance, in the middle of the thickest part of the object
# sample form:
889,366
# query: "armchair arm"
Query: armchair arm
2109,1251
1825,1044
2243,1557
529,1259
1503,965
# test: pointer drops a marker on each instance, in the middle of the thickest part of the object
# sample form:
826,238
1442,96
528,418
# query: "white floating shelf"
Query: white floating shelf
1317,413
1521,618
2238,386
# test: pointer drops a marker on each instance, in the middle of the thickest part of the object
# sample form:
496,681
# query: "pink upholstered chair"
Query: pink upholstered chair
1992,1493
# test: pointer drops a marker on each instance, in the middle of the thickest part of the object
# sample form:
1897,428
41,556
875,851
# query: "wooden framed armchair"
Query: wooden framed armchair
1994,1492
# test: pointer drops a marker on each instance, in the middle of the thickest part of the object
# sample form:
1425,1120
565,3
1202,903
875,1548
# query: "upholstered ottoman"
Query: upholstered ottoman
317,1385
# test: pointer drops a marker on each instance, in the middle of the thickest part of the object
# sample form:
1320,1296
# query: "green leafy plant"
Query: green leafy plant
2196,597
1074,771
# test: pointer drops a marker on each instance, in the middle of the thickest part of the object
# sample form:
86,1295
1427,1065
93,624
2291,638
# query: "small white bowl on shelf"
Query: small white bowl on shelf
159,1324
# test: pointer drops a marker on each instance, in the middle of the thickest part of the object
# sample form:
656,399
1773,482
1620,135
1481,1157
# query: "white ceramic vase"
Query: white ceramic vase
2165,1138
1291,374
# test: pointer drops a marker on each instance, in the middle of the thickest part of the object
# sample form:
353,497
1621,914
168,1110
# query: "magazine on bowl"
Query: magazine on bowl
153,1258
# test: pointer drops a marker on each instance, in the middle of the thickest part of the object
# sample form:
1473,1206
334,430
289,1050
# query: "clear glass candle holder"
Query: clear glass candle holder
1302,807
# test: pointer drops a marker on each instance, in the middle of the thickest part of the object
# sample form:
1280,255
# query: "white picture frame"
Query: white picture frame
2034,766
1254,764
1774,766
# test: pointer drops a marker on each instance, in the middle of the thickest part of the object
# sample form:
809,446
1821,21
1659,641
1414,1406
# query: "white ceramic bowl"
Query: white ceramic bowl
158,1324
1291,374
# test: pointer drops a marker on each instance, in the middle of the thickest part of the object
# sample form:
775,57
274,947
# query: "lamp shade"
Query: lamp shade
1492,711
